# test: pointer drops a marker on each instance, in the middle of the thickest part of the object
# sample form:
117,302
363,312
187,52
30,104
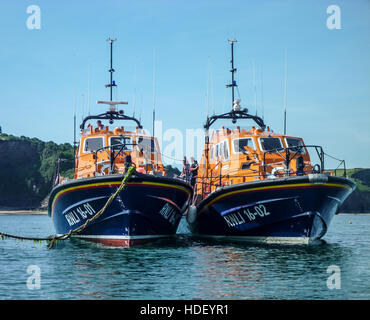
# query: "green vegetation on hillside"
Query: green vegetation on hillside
359,200
27,169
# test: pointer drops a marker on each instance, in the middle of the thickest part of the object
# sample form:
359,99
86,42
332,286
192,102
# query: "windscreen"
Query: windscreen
121,143
269,144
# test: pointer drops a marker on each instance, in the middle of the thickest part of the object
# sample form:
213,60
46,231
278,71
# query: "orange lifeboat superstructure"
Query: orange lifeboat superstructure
257,185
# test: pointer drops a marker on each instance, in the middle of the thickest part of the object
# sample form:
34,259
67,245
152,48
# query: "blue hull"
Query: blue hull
295,209
148,208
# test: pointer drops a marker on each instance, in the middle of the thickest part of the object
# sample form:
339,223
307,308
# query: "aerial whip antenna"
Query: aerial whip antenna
285,90
153,90
254,86
262,106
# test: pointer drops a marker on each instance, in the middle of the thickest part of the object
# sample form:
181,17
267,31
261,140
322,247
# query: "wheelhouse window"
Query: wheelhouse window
146,145
239,145
121,143
226,150
93,144
269,144
212,153
295,145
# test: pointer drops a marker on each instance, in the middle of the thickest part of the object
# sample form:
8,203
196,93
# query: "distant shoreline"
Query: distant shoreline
23,212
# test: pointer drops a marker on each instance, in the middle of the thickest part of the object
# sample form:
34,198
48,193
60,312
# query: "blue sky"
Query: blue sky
328,98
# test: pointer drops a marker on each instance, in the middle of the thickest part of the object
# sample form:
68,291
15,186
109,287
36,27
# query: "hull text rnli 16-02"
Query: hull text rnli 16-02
257,185
148,208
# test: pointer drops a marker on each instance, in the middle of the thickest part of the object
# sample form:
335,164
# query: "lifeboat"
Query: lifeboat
148,208
257,185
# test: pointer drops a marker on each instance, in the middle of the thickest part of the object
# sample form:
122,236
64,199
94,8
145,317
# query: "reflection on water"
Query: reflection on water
187,268
229,271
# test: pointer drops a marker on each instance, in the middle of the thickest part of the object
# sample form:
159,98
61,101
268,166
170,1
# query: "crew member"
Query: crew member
99,125
193,171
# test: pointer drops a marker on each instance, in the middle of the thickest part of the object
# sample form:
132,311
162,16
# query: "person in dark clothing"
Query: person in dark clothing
193,171
185,174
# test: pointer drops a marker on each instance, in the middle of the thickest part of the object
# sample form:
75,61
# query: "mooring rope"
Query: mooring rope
52,239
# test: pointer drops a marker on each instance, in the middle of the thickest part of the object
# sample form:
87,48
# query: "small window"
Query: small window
295,145
93,144
220,150
239,145
270,144
212,153
146,145
121,143
217,151
226,150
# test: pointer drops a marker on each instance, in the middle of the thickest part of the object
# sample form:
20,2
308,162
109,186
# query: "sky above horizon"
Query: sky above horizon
44,71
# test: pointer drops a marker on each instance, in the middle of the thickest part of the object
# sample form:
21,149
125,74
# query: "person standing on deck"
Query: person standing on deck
193,171
185,174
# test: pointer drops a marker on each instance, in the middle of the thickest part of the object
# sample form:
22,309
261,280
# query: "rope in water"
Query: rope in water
52,239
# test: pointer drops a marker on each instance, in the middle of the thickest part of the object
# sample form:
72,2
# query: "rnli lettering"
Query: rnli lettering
169,213
238,217
75,215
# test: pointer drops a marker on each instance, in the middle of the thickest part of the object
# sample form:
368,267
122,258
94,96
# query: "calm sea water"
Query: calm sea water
186,268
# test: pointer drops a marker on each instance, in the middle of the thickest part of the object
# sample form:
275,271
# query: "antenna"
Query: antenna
254,86
135,88
111,70
233,70
88,87
153,90
262,106
207,95
285,89
213,91
83,105
74,129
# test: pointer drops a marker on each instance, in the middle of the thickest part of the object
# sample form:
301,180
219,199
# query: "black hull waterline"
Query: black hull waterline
291,209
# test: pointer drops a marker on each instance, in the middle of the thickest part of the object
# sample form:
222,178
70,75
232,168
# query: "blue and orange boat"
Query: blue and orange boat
148,208
261,186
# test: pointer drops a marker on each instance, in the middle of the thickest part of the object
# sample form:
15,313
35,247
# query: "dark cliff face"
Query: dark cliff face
20,181
27,168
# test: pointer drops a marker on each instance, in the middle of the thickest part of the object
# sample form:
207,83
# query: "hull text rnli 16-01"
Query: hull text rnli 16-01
148,208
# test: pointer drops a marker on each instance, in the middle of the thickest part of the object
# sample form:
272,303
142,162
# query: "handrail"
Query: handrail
288,159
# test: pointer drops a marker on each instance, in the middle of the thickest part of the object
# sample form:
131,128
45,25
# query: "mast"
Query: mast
111,70
233,70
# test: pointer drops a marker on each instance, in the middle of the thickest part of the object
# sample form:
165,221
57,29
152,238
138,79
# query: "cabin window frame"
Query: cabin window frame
300,140
90,138
260,144
212,153
226,146
132,147
152,139
249,138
